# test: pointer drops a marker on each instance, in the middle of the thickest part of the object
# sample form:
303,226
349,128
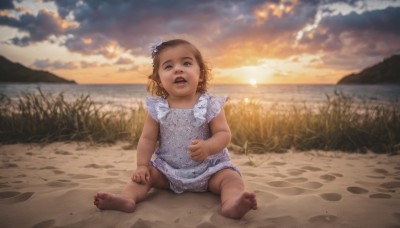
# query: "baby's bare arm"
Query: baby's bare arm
145,149
221,136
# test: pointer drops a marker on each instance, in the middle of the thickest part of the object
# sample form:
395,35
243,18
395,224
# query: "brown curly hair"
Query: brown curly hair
154,83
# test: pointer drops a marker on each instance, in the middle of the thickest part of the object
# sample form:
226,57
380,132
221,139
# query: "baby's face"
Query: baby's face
179,71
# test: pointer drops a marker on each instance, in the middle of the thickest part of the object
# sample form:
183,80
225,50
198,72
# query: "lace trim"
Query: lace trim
206,108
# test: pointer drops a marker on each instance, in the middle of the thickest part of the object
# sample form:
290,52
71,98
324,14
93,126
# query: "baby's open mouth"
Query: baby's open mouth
180,80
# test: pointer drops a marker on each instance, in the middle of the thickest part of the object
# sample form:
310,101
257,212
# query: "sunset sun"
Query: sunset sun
253,82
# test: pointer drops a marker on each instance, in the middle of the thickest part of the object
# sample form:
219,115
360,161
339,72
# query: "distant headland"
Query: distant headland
385,72
11,72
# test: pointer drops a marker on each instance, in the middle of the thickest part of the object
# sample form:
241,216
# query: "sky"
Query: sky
253,41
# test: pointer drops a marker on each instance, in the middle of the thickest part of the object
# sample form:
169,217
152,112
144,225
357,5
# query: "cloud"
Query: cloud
40,27
6,4
128,69
93,45
113,27
123,61
48,64
69,65
344,39
231,32
85,64
22,42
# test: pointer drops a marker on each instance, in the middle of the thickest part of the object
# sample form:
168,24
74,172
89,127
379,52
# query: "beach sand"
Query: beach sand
52,185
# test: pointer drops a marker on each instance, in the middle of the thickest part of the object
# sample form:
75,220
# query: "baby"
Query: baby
192,131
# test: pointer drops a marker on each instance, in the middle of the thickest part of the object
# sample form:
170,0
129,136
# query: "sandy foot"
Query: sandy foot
236,209
107,201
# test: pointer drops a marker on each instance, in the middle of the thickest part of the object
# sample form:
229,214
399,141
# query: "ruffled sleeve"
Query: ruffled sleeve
151,106
215,105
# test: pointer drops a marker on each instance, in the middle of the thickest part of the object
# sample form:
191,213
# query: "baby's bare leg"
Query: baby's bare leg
235,202
133,193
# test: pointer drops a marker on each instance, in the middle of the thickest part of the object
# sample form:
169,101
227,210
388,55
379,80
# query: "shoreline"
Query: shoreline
53,184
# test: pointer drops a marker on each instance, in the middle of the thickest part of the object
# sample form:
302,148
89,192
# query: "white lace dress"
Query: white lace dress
178,127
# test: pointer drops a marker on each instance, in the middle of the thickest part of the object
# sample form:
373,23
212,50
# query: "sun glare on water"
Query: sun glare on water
253,82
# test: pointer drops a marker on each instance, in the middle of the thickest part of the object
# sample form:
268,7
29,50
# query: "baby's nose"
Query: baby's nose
178,69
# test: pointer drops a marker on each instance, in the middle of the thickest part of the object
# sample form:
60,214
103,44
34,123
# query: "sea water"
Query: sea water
129,95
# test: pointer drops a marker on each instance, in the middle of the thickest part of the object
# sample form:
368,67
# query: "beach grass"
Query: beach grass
36,117
340,123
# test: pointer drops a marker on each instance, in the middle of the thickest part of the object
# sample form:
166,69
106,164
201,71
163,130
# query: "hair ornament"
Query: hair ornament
154,48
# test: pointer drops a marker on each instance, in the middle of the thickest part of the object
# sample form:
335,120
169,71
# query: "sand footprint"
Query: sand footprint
357,190
297,180
96,166
49,167
331,196
337,174
6,165
56,171
279,184
277,163
391,184
327,177
4,185
81,176
311,168
45,224
381,171
312,185
295,172
62,152
5,195
385,190
380,196
376,177
14,197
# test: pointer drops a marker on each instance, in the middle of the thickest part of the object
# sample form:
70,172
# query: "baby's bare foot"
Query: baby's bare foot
108,201
238,207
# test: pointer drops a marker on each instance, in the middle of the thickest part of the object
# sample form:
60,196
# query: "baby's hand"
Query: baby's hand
141,175
199,150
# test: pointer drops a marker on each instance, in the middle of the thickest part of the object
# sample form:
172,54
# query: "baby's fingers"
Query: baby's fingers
138,179
195,141
193,147
197,156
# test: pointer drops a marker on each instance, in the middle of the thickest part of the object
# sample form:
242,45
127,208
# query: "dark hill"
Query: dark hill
17,73
385,72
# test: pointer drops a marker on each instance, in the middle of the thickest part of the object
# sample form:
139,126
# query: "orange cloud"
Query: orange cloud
268,9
